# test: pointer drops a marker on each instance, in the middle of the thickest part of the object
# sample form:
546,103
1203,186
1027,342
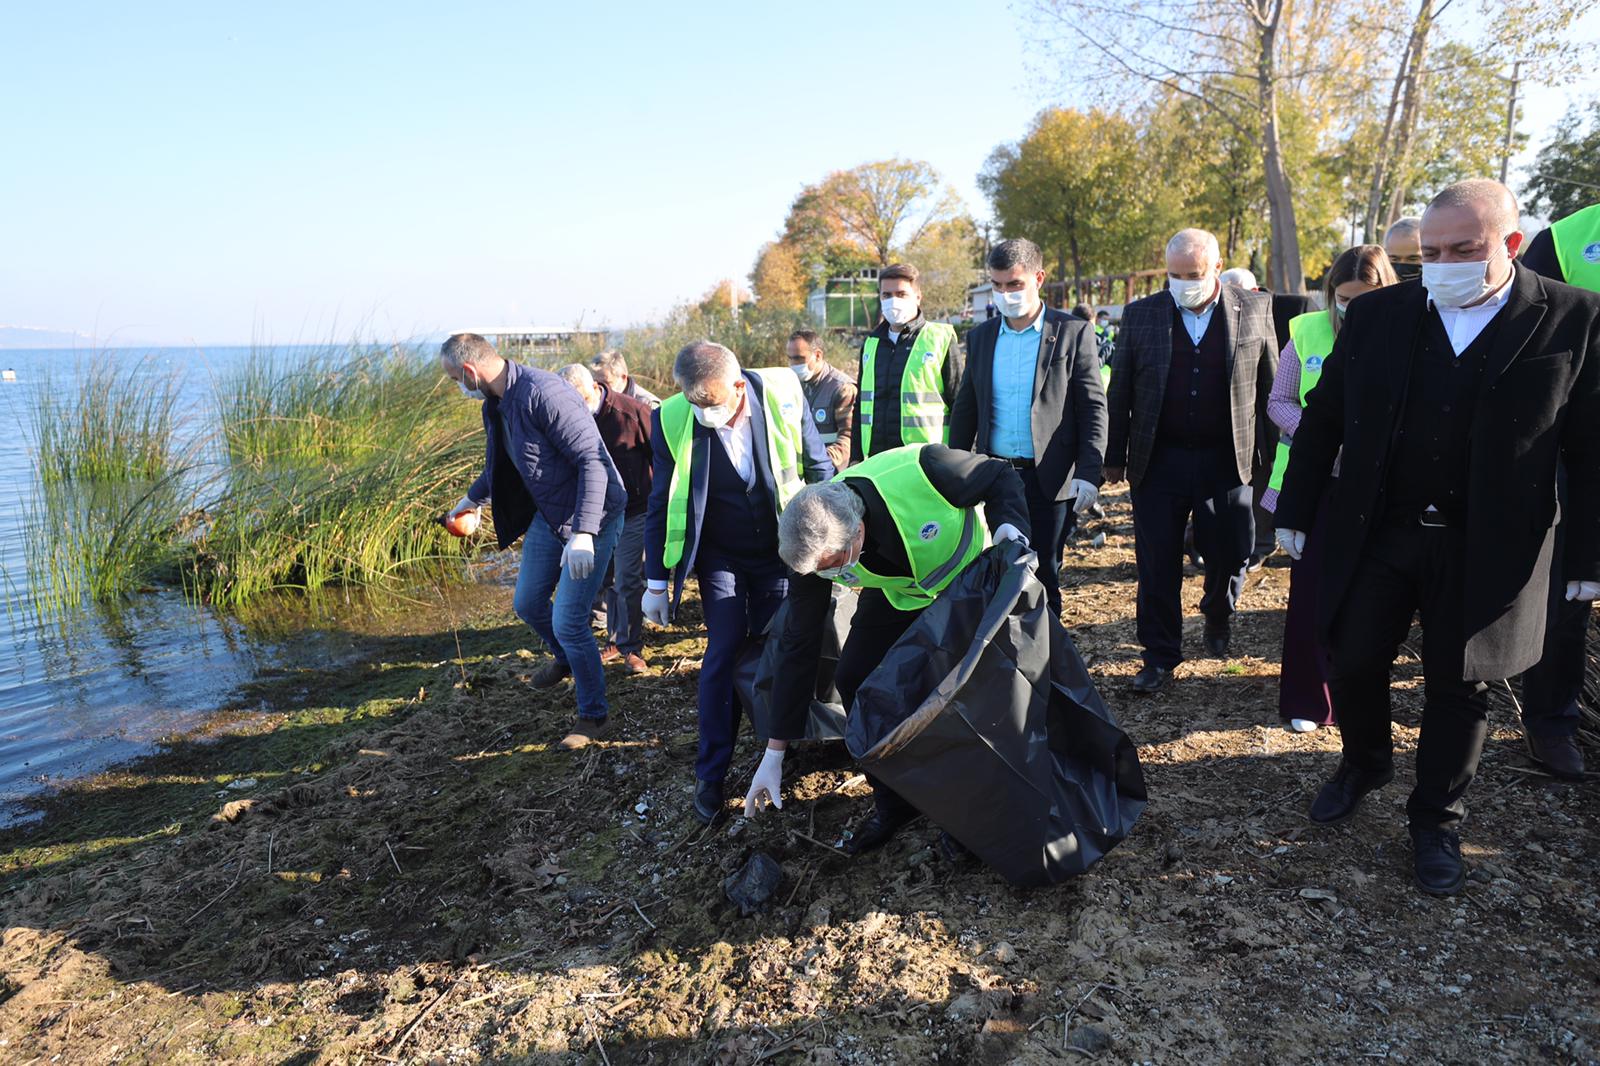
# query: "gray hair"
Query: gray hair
821,520
610,363
1195,240
1485,196
699,364
1402,227
1239,276
466,349
577,375
1017,251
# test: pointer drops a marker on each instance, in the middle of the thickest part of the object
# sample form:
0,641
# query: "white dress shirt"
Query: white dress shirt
1463,324
1197,320
738,440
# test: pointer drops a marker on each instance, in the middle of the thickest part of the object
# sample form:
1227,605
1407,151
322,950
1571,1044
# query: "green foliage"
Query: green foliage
109,420
948,258
1566,172
757,337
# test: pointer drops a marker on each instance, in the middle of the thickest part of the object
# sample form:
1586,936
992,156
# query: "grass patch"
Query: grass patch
109,421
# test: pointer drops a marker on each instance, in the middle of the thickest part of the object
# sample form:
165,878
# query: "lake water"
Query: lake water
80,693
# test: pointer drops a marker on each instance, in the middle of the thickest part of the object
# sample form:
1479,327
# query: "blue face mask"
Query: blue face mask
471,394
833,573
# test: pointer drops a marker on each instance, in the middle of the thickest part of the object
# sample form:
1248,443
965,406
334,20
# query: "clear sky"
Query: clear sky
217,172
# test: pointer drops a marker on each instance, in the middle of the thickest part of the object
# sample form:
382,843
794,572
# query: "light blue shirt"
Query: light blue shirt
1016,358
1197,321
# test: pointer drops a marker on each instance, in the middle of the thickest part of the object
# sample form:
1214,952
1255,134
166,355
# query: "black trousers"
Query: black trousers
1047,519
1405,570
876,627
1551,690
1180,483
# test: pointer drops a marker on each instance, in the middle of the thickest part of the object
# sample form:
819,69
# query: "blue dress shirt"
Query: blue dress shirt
1016,359
1198,320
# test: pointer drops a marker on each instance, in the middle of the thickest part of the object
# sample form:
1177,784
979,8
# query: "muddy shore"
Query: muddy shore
394,864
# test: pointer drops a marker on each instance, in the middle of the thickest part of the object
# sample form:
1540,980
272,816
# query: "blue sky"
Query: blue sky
284,172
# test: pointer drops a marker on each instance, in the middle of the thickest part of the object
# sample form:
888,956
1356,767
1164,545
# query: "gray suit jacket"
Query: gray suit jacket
1069,402
1144,355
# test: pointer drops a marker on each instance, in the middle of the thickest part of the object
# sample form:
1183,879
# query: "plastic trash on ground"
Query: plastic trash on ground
984,718
753,680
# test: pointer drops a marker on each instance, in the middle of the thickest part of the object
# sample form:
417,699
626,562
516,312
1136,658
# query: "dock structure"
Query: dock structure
542,344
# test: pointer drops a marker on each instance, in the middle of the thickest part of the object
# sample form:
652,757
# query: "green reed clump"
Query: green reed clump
113,419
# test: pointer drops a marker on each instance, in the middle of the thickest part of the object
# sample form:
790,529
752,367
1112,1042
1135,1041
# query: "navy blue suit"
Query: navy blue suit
731,544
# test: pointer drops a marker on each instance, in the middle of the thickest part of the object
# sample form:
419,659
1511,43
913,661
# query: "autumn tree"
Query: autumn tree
948,256
887,205
1566,172
778,278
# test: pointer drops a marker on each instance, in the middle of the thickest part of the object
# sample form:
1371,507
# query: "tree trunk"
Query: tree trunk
1287,273
1405,131
1382,170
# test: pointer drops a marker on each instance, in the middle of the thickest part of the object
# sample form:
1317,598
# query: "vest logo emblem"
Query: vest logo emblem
1314,365
847,577
1591,252
929,531
929,356
822,415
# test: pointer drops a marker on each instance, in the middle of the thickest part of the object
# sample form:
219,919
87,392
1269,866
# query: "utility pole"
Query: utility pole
1511,121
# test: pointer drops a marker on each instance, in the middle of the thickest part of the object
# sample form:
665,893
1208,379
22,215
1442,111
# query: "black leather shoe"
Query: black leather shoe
549,674
708,801
953,851
1560,755
1151,678
1341,796
878,830
1217,640
1436,858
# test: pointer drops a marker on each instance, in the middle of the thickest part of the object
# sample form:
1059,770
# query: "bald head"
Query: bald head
1483,197
1403,241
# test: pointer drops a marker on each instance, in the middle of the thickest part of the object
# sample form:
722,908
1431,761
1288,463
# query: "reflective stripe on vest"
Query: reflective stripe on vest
1312,335
922,409
784,405
1577,241
940,539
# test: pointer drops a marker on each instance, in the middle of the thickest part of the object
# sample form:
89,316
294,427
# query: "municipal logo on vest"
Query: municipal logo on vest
929,531
1314,365
847,577
929,356
822,415
1591,252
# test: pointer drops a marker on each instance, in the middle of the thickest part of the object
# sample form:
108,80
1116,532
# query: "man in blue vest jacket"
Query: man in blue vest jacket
547,474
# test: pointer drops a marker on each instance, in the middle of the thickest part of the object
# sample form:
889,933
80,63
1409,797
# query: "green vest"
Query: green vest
922,410
1312,334
785,407
940,538
1577,241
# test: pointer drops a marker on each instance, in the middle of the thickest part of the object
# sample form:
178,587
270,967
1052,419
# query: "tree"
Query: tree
947,257
721,297
1237,58
888,204
1078,186
778,278
1566,172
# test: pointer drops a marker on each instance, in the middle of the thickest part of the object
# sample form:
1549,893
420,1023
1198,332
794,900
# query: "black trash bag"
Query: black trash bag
754,673
984,718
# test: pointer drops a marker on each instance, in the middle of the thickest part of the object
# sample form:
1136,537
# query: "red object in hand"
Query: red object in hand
463,524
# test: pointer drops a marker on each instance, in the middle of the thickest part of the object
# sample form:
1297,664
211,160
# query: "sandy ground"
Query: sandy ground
397,866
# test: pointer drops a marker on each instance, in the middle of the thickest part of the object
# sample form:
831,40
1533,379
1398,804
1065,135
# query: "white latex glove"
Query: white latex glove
1583,591
1085,494
1292,541
765,785
1007,531
654,605
465,504
578,556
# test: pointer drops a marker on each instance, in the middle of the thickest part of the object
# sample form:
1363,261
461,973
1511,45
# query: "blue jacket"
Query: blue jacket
815,463
545,456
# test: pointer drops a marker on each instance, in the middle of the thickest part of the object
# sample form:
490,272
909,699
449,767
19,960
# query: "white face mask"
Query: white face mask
471,394
1341,306
1456,284
898,310
803,371
1013,304
1191,294
832,573
718,416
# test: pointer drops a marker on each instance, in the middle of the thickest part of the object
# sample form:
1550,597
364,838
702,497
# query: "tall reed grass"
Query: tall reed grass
109,420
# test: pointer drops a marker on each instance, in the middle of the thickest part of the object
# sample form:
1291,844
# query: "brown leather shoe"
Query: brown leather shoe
610,654
635,663
586,732
1560,755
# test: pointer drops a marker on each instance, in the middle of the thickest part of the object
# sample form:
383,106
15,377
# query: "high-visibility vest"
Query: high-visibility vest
922,410
1577,241
784,405
940,538
1312,334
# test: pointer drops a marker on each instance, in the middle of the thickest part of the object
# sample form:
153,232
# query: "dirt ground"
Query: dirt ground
395,865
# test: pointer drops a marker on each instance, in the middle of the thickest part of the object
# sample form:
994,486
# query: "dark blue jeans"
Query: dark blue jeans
557,607
738,598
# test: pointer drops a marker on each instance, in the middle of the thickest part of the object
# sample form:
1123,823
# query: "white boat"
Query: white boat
8,375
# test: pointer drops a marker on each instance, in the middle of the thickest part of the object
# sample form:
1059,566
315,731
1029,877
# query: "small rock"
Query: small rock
561,879
1173,854
753,887
1004,953
1532,902
581,894
1318,893
818,915
241,784
1090,1038
917,858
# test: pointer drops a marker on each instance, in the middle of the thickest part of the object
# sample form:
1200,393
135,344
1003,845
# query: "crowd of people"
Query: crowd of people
1426,442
